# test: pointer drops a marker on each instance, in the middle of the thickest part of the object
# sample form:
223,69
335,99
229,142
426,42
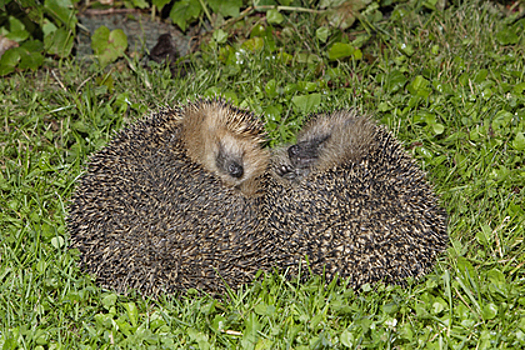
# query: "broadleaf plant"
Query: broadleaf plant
108,46
24,21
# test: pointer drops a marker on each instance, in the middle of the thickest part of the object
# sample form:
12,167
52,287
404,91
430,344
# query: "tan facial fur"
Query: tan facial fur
216,134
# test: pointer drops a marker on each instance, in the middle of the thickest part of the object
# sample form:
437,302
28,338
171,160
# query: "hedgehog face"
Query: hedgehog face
327,140
229,161
228,166
235,160
227,142
306,152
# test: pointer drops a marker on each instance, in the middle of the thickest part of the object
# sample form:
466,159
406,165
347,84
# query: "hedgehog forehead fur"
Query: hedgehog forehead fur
227,141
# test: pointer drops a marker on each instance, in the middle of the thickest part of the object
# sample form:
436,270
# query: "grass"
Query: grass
450,84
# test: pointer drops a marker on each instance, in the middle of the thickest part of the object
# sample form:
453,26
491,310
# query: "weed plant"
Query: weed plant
450,85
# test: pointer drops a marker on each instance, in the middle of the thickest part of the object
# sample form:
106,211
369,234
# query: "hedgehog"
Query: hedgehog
348,202
173,202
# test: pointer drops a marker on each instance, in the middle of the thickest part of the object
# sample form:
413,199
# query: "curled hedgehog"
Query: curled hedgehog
346,200
173,202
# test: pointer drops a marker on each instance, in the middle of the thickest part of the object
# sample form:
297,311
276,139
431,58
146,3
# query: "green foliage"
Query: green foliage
307,103
322,33
59,42
339,13
341,50
184,12
160,3
27,56
274,17
56,19
225,8
17,30
9,61
62,11
456,102
108,46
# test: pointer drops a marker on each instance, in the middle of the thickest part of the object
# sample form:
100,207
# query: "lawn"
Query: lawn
449,84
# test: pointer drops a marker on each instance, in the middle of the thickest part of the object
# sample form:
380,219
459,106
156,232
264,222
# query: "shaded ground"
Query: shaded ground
141,30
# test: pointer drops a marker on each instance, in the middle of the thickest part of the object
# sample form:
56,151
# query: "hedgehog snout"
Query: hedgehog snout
306,152
300,156
236,170
229,163
293,150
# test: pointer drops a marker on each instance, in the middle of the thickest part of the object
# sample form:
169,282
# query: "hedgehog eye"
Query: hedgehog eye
235,170
293,150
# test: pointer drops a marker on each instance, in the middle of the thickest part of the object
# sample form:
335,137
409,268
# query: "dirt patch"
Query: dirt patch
141,30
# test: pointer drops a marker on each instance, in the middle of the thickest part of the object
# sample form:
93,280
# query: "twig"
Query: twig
58,80
111,11
153,10
238,18
464,301
288,8
251,9
517,268
496,237
83,83
232,332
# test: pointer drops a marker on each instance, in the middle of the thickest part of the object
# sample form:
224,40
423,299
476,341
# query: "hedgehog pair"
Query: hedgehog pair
190,198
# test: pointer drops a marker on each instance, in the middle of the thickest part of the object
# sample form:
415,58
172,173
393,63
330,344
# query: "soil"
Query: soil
142,32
